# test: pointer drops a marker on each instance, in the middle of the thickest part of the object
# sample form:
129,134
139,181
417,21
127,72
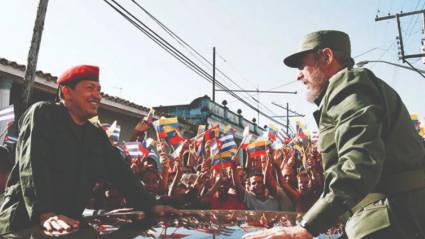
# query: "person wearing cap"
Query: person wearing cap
60,156
373,160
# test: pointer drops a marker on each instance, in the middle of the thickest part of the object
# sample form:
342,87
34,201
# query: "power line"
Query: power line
176,53
182,42
284,84
187,46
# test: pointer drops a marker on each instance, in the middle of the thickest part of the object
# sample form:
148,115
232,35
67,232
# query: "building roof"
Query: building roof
107,100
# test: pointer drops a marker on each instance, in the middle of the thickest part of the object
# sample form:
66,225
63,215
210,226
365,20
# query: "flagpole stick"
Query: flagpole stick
199,135
247,160
221,162
237,152
266,167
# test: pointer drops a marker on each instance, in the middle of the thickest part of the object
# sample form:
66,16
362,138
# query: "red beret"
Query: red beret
77,73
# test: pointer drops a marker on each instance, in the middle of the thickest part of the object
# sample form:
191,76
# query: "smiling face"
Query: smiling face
83,100
312,76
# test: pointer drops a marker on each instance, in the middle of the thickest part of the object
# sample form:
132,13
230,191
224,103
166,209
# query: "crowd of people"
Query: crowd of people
280,176
285,176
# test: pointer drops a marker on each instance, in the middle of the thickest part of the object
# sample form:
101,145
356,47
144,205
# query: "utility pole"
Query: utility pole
399,38
423,37
33,55
258,104
295,114
287,118
213,76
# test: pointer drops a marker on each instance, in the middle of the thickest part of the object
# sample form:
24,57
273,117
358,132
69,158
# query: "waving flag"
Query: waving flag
169,129
112,131
228,143
226,148
223,160
199,141
258,148
212,133
177,151
135,149
415,121
300,129
149,117
148,143
7,114
215,148
204,136
271,133
10,140
283,137
115,135
246,138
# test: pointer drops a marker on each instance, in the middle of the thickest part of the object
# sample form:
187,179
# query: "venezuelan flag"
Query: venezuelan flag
223,160
168,129
258,148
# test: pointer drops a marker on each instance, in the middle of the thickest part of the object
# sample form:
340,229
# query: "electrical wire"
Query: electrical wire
177,54
187,46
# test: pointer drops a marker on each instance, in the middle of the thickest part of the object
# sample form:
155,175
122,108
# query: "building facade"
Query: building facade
203,111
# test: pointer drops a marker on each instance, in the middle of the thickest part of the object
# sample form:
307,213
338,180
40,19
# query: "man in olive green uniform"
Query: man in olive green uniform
372,157
59,157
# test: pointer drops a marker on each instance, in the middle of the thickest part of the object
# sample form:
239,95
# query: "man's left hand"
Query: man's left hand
295,232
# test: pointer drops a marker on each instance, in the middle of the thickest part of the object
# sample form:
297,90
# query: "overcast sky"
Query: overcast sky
251,38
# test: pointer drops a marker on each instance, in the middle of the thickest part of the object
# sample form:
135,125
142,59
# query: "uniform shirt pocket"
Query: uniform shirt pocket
370,219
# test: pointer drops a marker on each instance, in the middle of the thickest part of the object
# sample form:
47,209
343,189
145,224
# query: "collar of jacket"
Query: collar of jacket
318,100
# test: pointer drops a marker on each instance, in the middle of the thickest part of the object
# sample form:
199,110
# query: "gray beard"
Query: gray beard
313,95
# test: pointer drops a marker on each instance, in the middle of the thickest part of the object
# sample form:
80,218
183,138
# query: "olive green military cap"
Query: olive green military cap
336,40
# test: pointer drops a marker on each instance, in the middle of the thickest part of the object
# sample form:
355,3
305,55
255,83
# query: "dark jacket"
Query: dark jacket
57,164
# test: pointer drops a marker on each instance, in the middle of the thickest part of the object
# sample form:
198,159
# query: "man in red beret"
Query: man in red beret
59,157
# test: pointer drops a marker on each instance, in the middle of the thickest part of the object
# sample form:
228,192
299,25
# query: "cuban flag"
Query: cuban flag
113,131
135,149
224,150
7,117
282,136
115,136
10,140
228,143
